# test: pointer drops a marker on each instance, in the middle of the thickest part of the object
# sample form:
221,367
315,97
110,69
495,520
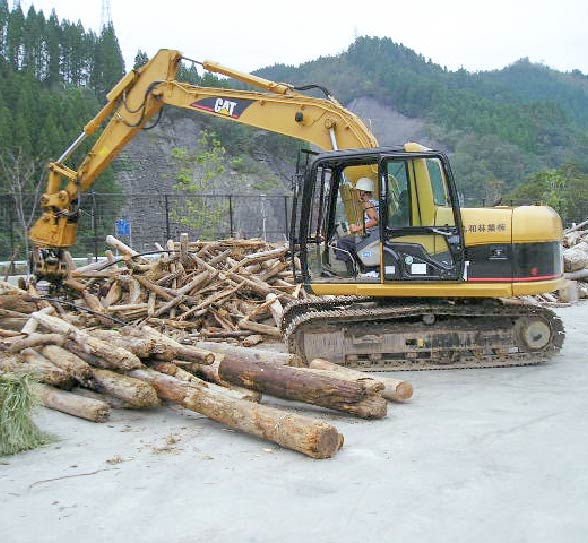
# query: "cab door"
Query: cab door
420,227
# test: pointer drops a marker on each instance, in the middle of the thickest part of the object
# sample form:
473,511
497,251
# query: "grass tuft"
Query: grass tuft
18,432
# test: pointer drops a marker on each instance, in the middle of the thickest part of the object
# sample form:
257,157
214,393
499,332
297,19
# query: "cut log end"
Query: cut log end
404,391
325,441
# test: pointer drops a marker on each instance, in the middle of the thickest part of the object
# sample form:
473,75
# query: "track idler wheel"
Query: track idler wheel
535,333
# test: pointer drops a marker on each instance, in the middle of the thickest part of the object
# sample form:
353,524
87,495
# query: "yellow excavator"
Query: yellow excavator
418,282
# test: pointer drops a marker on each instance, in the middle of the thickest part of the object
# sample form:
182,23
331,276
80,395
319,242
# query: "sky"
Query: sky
257,33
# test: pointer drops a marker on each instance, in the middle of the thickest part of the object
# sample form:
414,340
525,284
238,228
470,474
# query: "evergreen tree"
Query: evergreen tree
4,15
15,37
53,44
32,40
5,126
108,63
141,59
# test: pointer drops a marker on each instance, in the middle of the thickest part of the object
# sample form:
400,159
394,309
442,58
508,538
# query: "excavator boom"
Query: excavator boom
140,96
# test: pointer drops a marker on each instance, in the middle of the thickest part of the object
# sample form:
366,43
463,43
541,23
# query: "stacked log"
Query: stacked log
233,290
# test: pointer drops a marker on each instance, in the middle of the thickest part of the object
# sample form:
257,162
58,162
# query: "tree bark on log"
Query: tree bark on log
73,365
143,346
182,375
310,437
35,340
81,343
305,386
72,404
190,353
222,349
394,389
30,361
134,392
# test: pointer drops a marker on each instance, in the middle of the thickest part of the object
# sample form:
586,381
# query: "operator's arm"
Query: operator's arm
373,217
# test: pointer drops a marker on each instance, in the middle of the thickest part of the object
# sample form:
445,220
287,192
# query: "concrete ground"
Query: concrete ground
477,456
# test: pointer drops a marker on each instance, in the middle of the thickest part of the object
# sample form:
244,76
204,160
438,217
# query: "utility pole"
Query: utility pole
106,18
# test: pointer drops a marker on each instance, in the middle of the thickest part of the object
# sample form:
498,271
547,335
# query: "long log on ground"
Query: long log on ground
113,402
81,343
299,384
394,389
72,404
134,392
313,438
182,375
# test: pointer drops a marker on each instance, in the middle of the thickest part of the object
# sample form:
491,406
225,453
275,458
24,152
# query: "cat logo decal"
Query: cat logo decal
228,108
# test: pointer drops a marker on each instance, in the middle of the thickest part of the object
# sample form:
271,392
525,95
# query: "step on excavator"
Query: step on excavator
405,277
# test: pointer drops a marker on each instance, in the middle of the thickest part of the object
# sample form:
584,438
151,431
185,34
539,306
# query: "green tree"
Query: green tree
197,174
141,59
33,41
108,66
53,51
4,15
15,37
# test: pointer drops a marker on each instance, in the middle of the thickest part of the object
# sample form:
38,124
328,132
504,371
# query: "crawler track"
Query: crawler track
384,334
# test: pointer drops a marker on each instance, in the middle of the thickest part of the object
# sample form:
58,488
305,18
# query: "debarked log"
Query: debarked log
313,438
223,349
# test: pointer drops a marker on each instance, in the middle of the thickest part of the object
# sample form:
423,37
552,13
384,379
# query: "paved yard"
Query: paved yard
479,455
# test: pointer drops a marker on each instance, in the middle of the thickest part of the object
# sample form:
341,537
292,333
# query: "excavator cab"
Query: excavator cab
418,236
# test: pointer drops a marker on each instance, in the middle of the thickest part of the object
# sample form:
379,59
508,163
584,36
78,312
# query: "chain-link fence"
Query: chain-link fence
141,220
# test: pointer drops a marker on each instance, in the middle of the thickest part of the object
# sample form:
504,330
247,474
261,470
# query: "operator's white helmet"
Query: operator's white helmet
365,184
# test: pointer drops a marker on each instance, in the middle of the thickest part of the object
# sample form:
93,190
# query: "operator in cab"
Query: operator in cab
347,246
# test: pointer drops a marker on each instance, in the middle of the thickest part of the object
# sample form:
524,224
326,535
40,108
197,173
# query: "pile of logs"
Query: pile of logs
86,371
575,255
231,289
575,259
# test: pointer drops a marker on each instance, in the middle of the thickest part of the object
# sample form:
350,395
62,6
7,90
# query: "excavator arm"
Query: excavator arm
139,98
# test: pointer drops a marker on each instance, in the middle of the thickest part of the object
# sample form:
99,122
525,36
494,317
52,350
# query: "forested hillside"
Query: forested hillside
53,77
500,126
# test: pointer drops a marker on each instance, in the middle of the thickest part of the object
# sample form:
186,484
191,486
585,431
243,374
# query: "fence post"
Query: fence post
167,230
10,207
231,215
94,226
286,216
